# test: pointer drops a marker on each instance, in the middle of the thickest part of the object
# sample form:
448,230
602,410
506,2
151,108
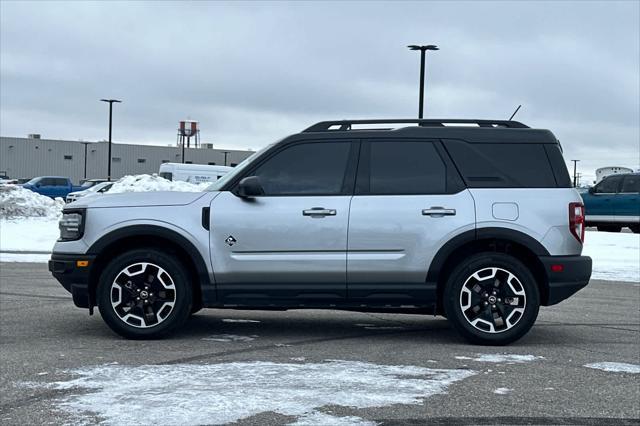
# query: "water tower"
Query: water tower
188,129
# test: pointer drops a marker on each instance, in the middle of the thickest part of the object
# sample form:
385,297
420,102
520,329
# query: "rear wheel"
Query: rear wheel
609,228
144,294
491,299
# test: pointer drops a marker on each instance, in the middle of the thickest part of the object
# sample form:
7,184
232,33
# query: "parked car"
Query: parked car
88,183
433,217
51,186
614,203
98,189
193,173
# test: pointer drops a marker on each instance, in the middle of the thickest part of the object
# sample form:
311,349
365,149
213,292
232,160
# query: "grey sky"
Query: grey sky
255,72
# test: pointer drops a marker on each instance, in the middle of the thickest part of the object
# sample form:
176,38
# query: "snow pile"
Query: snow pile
144,183
616,255
34,234
615,367
17,202
193,394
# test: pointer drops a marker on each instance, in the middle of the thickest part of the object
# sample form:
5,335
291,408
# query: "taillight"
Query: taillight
576,220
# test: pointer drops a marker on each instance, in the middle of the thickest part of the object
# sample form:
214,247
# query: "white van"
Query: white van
193,173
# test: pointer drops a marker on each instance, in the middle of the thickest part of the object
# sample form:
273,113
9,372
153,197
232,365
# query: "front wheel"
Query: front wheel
491,299
144,294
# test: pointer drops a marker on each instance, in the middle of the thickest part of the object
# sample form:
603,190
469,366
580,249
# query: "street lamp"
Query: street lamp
111,101
575,173
423,50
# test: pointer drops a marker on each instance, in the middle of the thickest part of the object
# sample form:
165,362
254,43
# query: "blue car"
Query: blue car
614,203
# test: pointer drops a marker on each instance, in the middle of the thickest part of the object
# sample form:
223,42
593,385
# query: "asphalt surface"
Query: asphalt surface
43,335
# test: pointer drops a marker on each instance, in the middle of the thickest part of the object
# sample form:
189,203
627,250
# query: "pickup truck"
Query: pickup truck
614,203
51,186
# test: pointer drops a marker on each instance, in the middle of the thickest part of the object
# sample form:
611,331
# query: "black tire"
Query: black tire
180,294
635,229
609,228
453,299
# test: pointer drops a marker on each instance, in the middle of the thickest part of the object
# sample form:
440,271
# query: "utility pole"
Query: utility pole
110,101
85,159
423,51
575,172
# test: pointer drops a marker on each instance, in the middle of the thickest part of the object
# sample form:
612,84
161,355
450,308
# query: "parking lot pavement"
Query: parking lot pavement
258,367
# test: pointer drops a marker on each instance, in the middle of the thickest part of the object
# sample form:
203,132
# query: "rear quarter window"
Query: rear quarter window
505,165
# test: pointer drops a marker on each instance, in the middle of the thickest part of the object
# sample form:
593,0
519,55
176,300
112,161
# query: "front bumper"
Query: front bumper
68,270
565,276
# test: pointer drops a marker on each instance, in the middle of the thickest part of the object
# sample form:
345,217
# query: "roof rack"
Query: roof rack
325,126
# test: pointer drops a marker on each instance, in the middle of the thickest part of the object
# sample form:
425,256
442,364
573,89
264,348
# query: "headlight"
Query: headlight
71,225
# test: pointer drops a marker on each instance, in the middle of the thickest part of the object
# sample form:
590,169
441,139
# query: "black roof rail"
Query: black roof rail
325,126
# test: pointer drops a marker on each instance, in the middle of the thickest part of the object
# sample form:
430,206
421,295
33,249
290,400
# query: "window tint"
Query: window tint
306,169
609,185
60,182
631,183
47,181
404,167
503,165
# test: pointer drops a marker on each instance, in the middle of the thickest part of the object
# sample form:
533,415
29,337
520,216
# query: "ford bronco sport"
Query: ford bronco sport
475,220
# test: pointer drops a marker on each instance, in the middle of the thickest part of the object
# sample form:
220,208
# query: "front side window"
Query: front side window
631,184
402,167
317,168
609,185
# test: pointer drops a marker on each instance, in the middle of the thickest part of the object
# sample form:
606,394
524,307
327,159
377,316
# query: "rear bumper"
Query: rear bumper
74,278
574,275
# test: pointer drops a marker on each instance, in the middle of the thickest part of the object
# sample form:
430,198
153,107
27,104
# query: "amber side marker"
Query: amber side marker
82,263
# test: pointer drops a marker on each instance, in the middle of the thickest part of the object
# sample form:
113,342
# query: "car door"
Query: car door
288,246
47,187
408,202
600,202
627,204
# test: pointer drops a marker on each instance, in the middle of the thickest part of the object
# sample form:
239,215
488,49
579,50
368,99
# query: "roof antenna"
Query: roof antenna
515,112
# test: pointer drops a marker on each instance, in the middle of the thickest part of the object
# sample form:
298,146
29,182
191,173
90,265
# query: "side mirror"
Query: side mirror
37,185
250,187
592,190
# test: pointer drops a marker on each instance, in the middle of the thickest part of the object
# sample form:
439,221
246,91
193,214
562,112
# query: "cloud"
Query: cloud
255,72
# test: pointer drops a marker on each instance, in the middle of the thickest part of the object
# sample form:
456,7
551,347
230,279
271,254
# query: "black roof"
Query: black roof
473,131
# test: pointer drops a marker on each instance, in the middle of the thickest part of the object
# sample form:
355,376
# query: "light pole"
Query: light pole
423,51
110,101
85,158
225,157
575,174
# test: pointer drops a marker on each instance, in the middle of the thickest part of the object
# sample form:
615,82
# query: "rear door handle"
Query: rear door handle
438,212
318,212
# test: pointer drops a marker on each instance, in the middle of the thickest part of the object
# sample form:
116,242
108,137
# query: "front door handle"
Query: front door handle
438,212
318,212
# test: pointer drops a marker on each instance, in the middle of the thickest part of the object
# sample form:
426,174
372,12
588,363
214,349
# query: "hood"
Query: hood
138,199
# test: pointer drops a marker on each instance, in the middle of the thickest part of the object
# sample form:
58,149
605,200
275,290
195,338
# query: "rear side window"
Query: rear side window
503,165
631,184
166,175
401,167
61,182
306,169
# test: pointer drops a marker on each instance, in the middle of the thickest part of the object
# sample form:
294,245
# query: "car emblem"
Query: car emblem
230,240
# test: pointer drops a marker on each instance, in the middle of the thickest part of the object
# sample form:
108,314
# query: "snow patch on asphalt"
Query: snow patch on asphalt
614,254
316,418
502,391
239,320
615,367
502,358
229,338
193,394
24,257
29,234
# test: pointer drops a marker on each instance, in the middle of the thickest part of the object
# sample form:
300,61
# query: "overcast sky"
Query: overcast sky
252,73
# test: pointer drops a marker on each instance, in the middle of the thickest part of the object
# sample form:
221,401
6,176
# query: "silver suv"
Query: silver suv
475,220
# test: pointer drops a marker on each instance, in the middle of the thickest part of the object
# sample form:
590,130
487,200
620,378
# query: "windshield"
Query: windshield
243,165
34,181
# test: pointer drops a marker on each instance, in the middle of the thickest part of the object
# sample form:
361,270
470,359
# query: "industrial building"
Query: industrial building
32,156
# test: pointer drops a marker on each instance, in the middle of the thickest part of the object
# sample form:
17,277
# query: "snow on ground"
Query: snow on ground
145,183
615,367
502,358
502,391
239,320
190,394
616,255
24,257
28,234
229,338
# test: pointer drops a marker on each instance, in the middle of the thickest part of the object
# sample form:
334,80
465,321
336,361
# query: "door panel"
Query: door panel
267,248
391,244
